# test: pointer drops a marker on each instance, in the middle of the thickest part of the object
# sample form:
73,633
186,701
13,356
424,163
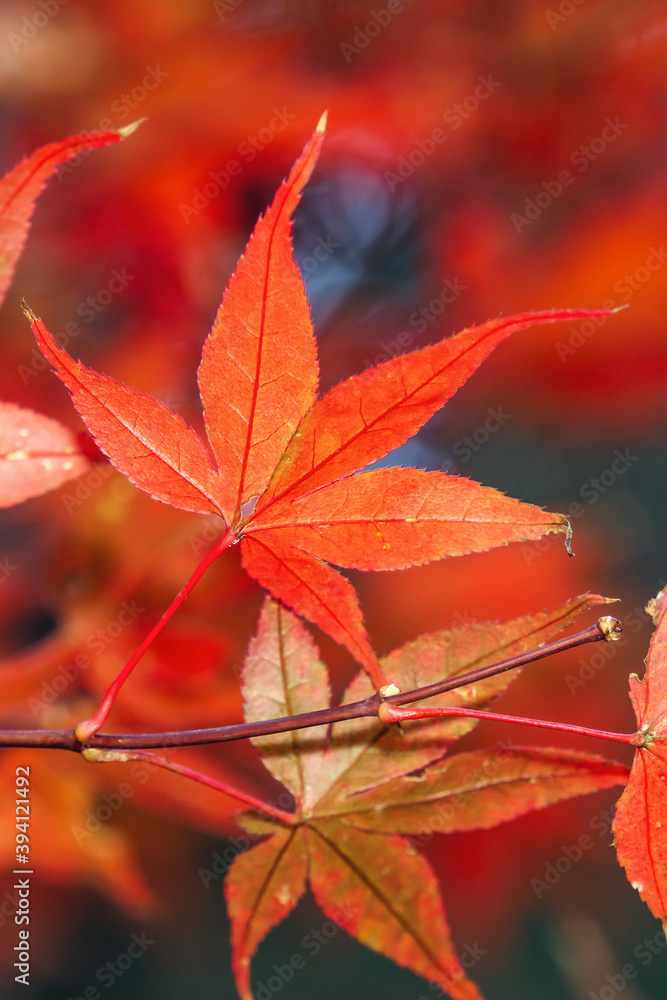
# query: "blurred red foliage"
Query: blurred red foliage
482,106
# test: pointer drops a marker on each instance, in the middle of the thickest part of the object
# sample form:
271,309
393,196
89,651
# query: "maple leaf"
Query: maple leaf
20,188
361,787
640,833
37,454
286,478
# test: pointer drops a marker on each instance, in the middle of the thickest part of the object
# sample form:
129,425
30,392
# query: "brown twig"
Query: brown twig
606,628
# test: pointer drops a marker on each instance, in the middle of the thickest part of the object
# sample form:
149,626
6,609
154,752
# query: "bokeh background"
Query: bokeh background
483,157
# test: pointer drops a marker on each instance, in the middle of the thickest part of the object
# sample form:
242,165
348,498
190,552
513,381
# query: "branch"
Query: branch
606,628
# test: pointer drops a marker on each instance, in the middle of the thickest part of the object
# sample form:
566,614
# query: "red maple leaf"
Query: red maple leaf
361,788
20,188
286,475
640,831
37,454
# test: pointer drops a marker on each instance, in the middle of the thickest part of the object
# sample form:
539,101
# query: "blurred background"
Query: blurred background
484,157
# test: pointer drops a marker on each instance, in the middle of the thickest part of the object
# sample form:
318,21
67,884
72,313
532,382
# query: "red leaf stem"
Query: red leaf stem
389,713
120,756
90,726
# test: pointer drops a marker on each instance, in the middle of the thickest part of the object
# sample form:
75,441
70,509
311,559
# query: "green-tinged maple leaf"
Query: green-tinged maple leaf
268,882
640,829
286,475
361,785
479,789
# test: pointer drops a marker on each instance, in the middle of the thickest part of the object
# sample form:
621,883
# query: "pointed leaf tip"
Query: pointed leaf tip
27,312
127,130
322,123
258,373
20,188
